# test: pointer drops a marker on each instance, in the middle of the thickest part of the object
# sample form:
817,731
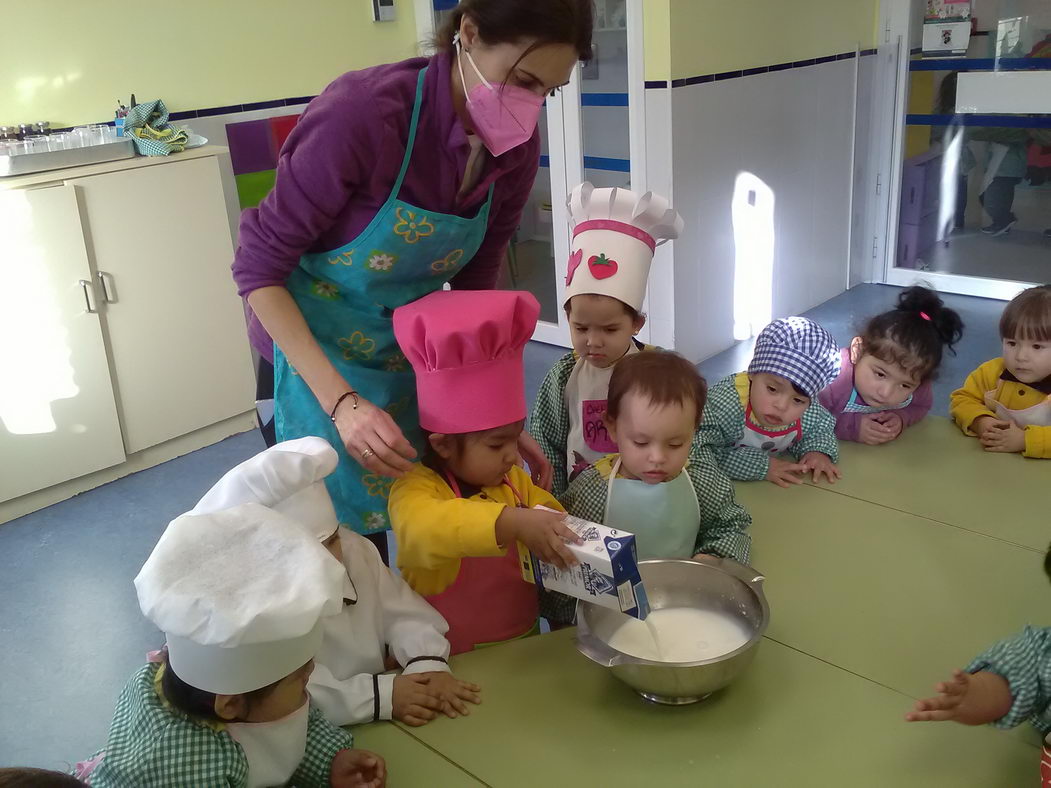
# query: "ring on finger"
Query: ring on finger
367,453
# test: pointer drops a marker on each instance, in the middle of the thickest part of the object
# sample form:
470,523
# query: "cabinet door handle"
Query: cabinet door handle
109,299
85,285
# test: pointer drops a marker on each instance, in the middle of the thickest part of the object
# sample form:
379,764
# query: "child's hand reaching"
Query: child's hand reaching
542,531
784,473
453,693
1003,436
971,699
357,769
820,465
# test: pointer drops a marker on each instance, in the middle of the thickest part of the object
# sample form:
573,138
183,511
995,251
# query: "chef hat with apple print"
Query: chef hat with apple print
615,233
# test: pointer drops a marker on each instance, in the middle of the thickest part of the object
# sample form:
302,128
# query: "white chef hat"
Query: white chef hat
240,595
288,478
615,232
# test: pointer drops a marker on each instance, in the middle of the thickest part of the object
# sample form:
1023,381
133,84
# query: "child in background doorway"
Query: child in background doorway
1006,402
381,615
226,703
752,417
614,237
884,382
1007,685
458,514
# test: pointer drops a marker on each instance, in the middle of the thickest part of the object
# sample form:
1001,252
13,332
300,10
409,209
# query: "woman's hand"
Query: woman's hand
373,439
534,457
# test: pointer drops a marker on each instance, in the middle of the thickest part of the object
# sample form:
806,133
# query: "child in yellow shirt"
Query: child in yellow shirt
1006,402
458,514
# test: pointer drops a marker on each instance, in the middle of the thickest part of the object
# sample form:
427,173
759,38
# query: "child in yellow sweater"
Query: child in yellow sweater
1006,402
458,514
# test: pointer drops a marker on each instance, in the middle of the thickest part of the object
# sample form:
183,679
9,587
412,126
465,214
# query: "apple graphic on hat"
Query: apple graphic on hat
574,262
602,267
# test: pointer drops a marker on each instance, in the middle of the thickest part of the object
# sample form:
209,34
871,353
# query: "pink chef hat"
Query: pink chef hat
466,349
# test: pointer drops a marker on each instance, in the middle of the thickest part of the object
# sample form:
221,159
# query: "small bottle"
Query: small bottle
8,133
42,127
25,130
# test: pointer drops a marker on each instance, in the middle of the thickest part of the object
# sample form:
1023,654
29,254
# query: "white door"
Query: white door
175,325
589,131
969,208
58,417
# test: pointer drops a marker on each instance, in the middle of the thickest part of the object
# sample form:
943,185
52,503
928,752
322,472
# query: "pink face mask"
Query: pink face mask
504,117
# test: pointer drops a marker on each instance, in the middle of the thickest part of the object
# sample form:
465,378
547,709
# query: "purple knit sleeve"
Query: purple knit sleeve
922,400
324,159
834,398
514,188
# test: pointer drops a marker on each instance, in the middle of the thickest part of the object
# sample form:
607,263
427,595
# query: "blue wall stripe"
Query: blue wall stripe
992,121
982,64
603,99
597,163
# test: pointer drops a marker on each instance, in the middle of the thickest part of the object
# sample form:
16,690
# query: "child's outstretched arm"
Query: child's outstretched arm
549,420
970,699
724,523
818,449
1023,665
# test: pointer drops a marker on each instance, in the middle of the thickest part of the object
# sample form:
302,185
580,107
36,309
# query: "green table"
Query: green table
936,471
409,762
893,597
551,717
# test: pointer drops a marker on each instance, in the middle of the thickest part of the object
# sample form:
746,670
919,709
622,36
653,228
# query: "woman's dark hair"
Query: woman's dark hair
16,777
945,103
198,703
913,334
508,21
1028,316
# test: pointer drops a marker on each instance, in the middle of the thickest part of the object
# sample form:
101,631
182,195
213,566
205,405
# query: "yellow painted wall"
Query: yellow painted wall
921,102
656,28
68,62
710,36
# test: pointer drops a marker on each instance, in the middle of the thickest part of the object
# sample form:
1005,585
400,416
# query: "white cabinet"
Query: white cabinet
121,332
58,416
161,247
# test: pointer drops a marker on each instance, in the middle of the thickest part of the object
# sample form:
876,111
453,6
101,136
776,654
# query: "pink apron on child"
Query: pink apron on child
489,602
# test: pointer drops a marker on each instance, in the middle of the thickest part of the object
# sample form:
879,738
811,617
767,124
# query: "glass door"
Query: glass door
973,213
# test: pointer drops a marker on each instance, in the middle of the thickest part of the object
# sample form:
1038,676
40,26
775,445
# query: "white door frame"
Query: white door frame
892,96
566,155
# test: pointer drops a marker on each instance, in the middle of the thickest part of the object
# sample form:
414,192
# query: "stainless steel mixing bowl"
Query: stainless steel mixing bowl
716,584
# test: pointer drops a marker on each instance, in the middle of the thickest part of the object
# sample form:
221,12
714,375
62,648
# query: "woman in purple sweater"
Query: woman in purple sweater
397,180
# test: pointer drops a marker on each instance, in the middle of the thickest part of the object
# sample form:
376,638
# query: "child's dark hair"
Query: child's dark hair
663,377
913,334
631,312
17,777
1028,316
198,703
509,21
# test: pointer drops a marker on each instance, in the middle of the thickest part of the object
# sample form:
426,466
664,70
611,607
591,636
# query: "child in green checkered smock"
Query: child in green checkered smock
225,703
615,234
662,486
1006,685
753,417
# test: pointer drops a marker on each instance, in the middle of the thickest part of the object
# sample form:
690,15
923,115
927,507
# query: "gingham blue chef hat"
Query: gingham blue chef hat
798,349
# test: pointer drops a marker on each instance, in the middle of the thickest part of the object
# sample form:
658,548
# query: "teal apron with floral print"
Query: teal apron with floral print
348,297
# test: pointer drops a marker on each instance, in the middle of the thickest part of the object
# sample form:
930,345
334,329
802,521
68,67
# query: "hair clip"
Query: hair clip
926,317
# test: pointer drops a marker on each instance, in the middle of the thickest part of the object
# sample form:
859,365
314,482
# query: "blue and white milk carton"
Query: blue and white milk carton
608,572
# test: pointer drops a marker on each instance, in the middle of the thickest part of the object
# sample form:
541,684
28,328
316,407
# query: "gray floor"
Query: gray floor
1021,256
70,629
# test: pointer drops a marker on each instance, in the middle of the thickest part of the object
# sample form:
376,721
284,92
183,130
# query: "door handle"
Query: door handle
85,285
109,299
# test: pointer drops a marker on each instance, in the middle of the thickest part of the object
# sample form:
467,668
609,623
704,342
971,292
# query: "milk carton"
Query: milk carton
607,575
